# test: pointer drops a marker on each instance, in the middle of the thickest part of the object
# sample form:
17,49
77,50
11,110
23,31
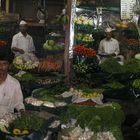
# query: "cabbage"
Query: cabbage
137,56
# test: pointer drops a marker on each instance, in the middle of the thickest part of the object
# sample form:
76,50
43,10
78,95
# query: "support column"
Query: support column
7,6
67,67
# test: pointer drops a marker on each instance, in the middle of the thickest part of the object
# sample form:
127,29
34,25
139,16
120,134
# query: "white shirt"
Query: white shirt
22,42
10,96
109,46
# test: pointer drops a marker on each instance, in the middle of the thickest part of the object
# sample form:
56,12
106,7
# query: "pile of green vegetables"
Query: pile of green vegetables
136,84
86,28
27,121
80,68
132,66
108,117
43,95
56,90
114,85
111,65
25,77
3,30
87,89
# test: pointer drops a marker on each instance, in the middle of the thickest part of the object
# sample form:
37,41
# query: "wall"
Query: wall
28,10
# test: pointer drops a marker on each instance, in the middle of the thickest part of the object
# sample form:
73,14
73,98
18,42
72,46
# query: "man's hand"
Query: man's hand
21,51
112,55
22,111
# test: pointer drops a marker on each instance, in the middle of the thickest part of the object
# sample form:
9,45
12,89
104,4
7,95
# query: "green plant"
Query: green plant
80,68
111,65
102,117
113,85
25,77
136,84
132,66
27,121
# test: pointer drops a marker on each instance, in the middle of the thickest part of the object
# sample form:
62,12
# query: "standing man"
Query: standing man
11,96
109,47
22,42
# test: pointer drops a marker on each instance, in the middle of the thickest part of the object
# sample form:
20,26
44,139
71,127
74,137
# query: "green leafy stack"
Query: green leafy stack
136,84
27,121
114,85
107,117
25,77
51,45
44,95
132,66
111,65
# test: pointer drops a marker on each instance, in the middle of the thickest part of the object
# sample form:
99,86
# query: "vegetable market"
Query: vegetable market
69,70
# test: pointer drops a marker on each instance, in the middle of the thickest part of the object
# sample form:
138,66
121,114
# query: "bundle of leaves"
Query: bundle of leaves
25,77
60,88
113,85
136,84
55,90
27,121
107,117
90,90
98,118
43,95
80,68
132,66
111,65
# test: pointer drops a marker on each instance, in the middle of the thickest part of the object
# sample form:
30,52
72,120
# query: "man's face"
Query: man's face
108,35
4,66
23,28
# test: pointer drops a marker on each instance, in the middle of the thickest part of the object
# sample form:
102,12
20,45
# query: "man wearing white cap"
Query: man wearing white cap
22,42
109,47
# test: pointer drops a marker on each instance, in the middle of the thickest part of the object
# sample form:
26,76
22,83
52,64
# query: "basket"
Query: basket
87,103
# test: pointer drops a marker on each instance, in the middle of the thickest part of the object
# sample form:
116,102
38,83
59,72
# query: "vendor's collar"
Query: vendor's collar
20,35
109,39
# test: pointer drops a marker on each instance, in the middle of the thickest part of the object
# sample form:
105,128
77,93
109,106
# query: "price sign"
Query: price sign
127,9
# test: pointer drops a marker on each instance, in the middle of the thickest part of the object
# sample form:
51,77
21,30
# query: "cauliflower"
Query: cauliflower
90,22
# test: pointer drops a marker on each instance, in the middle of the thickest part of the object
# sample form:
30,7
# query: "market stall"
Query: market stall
68,95
116,81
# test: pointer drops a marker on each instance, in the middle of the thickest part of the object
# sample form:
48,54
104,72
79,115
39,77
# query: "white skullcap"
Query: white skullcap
108,30
22,22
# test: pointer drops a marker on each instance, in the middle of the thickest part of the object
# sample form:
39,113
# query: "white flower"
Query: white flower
105,136
78,22
85,22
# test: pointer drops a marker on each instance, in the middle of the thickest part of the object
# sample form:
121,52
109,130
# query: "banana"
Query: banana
16,131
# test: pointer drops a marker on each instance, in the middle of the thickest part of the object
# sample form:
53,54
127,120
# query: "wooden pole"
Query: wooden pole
67,64
0,5
7,6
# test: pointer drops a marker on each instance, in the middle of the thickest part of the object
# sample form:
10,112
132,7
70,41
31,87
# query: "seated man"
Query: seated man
22,42
109,47
10,91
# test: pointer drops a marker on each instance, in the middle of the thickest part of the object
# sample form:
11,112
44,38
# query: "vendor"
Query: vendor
109,47
11,96
22,42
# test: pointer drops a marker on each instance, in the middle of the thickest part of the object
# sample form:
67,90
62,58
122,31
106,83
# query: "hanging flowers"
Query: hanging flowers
82,50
